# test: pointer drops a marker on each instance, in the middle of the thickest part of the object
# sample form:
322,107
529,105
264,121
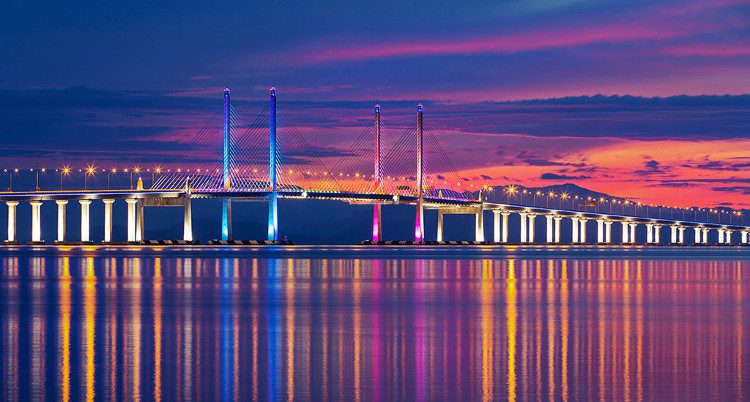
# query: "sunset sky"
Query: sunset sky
632,98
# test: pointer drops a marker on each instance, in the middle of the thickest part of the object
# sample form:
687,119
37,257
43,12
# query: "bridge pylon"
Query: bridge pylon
377,227
273,199
226,203
419,222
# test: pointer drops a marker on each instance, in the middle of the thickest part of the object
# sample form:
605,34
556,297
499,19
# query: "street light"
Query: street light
90,170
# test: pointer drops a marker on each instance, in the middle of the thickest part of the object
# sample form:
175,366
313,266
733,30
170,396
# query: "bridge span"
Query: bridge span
245,171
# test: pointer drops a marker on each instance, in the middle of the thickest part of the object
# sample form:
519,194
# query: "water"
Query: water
383,324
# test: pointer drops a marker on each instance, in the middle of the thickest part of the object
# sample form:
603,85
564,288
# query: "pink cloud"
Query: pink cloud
710,50
653,24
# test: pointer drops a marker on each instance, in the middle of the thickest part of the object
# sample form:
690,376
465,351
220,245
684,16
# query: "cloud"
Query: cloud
651,24
555,176
733,189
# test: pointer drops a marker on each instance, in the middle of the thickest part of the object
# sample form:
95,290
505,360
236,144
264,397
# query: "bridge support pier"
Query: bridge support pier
600,231
550,230
649,233
744,237
85,220
140,223
681,230
632,232
697,232
377,226
496,226
657,233
479,225
36,221
625,232
575,229
558,219
705,235
729,237
721,236
608,232
61,204
440,217
187,219
583,230
108,219
505,215
131,218
673,237
11,221
523,227
531,228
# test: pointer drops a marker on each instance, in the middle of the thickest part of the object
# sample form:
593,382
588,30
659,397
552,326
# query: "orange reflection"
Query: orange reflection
89,308
157,300
487,318
65,303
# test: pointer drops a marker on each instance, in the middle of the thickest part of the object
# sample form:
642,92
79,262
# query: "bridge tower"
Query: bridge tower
377,227
419,222
273,217
226,203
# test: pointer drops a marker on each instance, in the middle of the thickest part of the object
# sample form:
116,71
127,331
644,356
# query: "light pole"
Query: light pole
65,171
89,171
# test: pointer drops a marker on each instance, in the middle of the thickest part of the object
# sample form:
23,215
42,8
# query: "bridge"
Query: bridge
268,159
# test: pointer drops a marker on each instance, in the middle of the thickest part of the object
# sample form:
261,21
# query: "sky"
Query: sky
640,99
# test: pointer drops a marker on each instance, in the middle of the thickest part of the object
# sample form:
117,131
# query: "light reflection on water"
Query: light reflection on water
102,324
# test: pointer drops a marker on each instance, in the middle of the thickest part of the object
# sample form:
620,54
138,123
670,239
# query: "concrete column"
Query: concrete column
11,221
61,204
608,235
131,218
496,226
36,221
505,215
697,232
632,232
558,219
600,231
85,219
550,233
440,225
673,230
625,232
524,237
531,227
649,233
187,220
721,235
705,235
583,230
574,232
729,237
681,229
657,233
479,225
139,220
744,237
108,219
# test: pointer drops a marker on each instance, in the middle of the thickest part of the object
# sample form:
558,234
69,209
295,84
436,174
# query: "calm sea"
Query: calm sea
382,324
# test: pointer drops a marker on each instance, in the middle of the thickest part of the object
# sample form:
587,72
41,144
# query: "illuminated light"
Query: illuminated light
44,170
114,170
158,169
126,170
90,169
137,169
15,170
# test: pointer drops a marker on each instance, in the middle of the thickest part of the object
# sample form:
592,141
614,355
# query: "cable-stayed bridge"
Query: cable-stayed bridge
268,158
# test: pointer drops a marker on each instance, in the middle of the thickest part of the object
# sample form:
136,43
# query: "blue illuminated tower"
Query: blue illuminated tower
273,217
226,204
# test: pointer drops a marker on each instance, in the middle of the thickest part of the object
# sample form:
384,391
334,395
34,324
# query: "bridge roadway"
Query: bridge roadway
139,198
